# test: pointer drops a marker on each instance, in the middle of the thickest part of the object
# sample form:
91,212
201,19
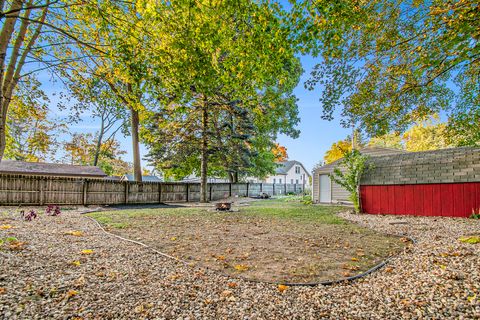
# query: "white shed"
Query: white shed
324,190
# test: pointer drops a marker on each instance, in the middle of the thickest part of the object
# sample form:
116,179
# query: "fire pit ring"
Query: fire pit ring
223,206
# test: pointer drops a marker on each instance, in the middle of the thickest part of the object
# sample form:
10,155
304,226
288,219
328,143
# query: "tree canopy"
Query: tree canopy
234,94
386,64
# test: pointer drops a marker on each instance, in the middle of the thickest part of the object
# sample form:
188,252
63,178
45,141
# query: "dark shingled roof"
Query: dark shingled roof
437,166
50,169
285,166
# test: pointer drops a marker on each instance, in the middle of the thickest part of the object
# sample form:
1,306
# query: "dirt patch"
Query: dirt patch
270,241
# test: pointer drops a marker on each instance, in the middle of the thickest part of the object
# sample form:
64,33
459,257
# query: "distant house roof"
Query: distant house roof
193,178
50,169
130,177
285,166
370,151
114,178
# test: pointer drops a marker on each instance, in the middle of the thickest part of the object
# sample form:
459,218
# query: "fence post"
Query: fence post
261,187
248,187
295,188
42,197
187,193
126,192
85,192
230,189
159,192
273,192
285,187
210,196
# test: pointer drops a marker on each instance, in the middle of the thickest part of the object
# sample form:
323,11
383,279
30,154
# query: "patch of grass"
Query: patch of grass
120,219
290,207
274,240
119,225
296,210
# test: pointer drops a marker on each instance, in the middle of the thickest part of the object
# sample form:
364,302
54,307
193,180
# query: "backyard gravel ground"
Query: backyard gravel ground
51,276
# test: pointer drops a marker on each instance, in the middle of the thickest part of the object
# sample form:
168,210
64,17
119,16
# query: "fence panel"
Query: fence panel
40,190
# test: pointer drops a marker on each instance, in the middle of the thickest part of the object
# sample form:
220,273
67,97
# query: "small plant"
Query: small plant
29,216
53,210
475,215
7,240
355,165
307,200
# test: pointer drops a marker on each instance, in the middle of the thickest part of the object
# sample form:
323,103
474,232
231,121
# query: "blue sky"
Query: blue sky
315,138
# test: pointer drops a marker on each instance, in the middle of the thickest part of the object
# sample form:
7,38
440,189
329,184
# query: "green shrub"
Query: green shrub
475,215
355,165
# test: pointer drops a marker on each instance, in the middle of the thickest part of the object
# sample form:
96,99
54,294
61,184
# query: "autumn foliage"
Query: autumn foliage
280,153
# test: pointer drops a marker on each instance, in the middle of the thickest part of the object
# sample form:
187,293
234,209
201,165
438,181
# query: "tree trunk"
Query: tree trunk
3,138
99,143
137,168
204,156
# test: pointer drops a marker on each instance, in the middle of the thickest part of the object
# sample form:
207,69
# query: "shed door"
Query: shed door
325,191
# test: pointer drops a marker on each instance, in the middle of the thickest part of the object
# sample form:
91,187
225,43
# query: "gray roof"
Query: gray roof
370,151
285,166
130,177
437,166
49,169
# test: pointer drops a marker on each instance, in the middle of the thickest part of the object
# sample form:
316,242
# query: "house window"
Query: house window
297,181
274,180
297,169
291,181
280,181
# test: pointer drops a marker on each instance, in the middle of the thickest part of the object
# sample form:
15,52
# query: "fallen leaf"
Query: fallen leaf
221,258
346,274
71,293
226,293
173,238
16,245
5,227
241,267
3,290
388,269
469,298
76,263
354,259
80,282
74,233
282,287
232,284
87,251
139,309
471,240
405,302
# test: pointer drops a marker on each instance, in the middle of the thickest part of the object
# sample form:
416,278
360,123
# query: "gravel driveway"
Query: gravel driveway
57,274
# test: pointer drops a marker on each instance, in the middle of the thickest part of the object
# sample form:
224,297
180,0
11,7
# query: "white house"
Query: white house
290,172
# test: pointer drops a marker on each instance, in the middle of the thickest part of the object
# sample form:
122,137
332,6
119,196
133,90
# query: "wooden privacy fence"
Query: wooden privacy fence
41,190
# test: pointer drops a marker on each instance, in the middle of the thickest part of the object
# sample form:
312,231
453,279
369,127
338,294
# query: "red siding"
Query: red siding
448,199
